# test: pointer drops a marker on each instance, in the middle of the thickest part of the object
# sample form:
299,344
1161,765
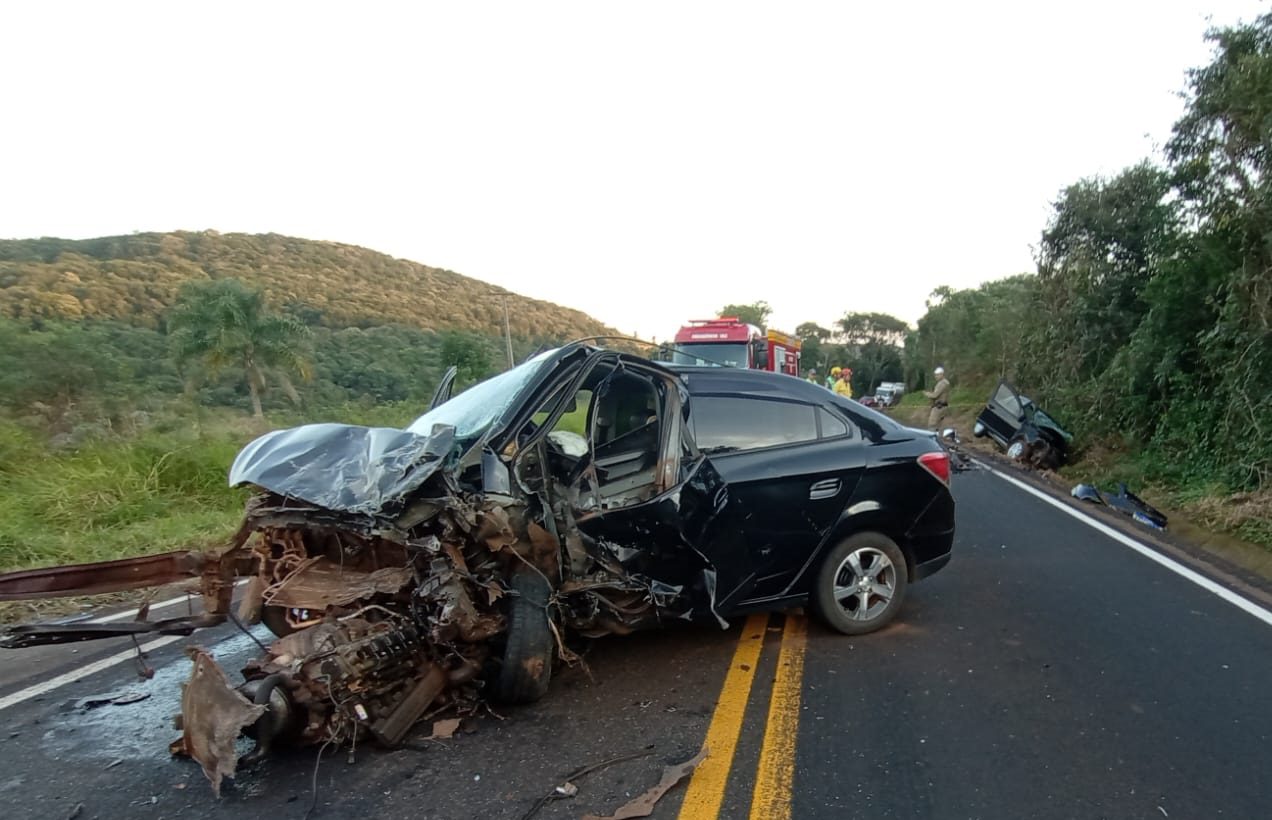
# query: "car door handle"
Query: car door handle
827,488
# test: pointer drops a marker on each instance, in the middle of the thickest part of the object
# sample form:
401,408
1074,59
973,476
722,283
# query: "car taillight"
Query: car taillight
938,464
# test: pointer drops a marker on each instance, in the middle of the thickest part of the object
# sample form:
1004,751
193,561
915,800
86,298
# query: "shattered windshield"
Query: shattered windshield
472,412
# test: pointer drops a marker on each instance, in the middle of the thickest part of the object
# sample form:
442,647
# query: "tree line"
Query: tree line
222,344
1147,324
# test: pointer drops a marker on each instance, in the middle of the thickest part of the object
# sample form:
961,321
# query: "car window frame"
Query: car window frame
851,435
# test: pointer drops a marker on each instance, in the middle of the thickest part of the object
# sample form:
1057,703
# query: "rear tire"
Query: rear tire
526,670
861,584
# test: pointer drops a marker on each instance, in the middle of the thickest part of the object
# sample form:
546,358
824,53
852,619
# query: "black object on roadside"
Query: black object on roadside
1125,502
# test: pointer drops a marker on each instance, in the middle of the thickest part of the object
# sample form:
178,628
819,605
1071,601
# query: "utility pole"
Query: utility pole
507,329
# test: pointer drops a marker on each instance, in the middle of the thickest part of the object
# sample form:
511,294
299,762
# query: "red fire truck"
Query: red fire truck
729,342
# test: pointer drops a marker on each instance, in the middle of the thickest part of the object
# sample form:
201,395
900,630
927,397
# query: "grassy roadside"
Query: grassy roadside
1207,513
163,488
154,492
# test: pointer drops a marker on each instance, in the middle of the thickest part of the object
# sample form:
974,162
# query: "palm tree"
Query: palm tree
226,323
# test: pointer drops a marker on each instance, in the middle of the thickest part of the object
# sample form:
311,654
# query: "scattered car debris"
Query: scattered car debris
409,571
1125,502
1023,429
643,805
111,699
960,462
445,729
213,714
569,789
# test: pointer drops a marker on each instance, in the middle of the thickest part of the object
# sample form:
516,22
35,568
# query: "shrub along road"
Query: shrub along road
1050,671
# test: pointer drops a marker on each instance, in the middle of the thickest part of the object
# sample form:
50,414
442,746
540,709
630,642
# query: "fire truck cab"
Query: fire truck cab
729,342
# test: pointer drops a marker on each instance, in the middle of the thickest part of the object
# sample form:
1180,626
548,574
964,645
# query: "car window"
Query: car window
573,420
1007,400
831,425
724,424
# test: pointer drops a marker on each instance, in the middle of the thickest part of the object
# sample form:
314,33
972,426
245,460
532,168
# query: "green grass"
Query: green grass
110,499
1246,516
961,398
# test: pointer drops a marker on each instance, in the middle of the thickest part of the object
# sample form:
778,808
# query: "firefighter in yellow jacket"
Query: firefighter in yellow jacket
843,385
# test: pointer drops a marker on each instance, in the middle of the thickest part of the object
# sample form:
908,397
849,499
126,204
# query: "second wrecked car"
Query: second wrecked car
1023,429
585,492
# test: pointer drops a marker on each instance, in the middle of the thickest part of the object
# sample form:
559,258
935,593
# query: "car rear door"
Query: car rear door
792,465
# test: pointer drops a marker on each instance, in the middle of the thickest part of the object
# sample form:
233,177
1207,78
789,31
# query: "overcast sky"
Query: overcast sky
643,162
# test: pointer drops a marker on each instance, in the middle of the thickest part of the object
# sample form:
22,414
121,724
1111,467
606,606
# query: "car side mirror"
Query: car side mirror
760,354
950,435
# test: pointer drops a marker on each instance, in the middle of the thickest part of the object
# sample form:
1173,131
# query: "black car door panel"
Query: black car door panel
791,496
690,536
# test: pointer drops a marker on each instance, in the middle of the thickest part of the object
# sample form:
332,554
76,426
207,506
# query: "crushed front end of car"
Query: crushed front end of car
404,574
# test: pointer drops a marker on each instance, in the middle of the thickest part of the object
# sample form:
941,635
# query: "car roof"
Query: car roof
738,380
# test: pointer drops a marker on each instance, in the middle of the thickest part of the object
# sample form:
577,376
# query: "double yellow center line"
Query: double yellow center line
771,795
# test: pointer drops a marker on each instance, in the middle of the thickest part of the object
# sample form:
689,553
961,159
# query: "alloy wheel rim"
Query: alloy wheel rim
865,583
1016,450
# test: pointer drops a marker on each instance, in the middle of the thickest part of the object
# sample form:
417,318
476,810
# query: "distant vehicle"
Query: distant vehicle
888,394
871,401
730,342
1023,429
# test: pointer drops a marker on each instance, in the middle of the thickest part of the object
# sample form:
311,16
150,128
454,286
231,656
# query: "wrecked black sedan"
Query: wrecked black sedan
1023,429
584,493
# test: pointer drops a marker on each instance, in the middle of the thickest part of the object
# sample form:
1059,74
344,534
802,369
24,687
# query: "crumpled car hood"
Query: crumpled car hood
343,467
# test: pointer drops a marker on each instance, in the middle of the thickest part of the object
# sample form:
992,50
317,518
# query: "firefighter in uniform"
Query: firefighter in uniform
843,385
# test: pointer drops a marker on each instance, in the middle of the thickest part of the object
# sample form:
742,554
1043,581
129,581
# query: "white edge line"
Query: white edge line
99,665
1148,552
83,672
132,613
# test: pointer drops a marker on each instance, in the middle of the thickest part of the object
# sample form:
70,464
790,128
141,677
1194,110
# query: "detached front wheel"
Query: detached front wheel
861,584
526,670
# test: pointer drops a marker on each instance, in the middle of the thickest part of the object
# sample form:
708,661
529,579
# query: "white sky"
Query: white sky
643,162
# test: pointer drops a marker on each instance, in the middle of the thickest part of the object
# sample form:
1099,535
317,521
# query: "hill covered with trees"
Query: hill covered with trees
136,279
91,331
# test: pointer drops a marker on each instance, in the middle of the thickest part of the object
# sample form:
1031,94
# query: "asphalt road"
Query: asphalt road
1050,671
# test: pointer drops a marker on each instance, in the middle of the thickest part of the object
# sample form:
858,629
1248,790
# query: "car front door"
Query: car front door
444,388
643,494
1003,413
